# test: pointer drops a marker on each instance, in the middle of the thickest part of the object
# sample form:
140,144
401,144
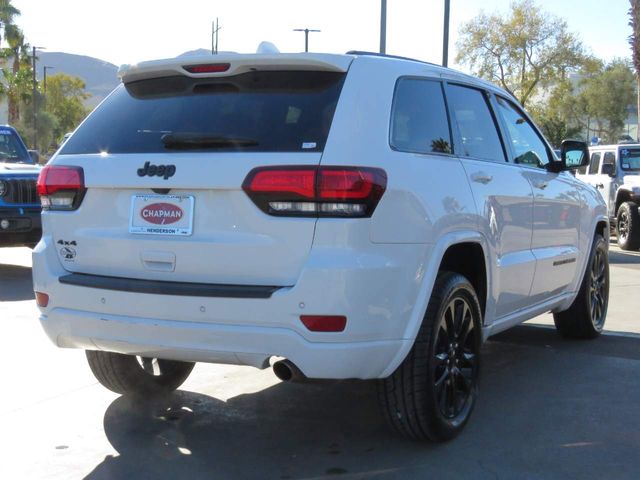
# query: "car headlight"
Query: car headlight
3,188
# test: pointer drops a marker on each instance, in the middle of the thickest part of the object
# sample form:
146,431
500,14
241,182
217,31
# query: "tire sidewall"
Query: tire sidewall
632,239
456,286
599,243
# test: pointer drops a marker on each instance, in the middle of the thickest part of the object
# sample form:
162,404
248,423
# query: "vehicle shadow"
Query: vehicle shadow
15,283
619,257
548,409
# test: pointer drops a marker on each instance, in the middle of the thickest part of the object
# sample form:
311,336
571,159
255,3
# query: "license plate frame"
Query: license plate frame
161,218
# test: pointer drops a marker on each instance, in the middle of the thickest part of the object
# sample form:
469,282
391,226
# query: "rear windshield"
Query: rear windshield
12,149
630,158
257,111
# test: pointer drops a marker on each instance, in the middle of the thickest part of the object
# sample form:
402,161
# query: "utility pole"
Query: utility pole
445,39
383,26
215,28
306,36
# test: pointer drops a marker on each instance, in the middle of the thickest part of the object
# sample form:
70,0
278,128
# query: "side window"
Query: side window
582,170
609,158
475,122
419,120
594,166
527,146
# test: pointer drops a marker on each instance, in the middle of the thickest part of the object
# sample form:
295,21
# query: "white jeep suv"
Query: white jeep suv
348,216
614,170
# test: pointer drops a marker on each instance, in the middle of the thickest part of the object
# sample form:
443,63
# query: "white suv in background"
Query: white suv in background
614,170
355,216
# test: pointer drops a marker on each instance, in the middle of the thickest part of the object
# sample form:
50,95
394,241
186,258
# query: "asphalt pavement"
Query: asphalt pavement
548,409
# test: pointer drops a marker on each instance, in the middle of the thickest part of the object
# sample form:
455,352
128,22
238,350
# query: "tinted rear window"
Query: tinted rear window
269,111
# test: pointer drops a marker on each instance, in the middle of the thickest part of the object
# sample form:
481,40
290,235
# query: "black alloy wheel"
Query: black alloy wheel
599,289
455,360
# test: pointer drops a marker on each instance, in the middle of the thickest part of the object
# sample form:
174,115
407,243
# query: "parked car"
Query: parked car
331,212
614,170
19,202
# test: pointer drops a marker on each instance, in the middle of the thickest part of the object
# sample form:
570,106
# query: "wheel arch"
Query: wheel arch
443,254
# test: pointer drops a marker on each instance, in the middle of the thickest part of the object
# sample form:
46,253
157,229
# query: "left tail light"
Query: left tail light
316,191
61,187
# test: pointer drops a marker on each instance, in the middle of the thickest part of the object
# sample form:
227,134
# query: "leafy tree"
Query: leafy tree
45,121
521,51
597,101
607,97
65,97
634,41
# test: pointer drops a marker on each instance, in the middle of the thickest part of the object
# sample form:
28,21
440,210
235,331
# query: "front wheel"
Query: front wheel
586,316
432,393
131,375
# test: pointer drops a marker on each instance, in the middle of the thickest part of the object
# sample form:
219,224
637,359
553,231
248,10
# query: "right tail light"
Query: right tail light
312,191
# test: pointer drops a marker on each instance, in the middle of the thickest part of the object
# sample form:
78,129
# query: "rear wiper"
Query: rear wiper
198,140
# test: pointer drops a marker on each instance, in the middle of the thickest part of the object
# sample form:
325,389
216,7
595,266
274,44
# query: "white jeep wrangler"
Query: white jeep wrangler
356,216
615,171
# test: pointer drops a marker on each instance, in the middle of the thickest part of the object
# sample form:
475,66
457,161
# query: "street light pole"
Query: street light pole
445,39
306,36
383,26
35,121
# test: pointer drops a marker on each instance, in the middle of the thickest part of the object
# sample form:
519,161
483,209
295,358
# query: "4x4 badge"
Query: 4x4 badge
164,171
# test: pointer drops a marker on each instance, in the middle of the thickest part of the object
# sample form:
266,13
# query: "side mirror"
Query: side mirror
35,156
573,154
609,169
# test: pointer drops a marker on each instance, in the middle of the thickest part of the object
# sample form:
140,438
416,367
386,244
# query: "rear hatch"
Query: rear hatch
164,159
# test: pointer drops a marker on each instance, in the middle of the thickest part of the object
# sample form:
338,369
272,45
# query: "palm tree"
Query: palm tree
634,41
7,14
17,78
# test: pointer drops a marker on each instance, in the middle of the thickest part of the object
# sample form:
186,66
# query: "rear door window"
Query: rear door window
280,111
594,165
419,120
475,123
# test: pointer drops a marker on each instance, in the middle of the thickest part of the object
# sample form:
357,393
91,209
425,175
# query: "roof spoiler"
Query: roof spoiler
234,64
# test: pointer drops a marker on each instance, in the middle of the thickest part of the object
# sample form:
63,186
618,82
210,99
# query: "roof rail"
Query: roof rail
384,55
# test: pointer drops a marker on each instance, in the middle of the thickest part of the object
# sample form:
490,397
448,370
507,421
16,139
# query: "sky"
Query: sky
128,31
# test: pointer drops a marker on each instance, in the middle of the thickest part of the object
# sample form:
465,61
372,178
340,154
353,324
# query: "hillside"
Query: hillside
99,76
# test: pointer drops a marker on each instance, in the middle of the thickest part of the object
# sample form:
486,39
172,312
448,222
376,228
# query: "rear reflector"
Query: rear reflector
207,68
324,323
42,299
61,187
311,191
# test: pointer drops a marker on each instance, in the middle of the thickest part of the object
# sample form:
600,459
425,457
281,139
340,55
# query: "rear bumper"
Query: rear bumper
25,226
375,292
215,343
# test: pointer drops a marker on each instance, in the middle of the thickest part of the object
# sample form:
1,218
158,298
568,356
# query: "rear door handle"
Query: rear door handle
541,185
481,177
599,185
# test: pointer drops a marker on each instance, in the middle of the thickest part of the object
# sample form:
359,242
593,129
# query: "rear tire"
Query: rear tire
432,393
628,226
131,375
586,316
